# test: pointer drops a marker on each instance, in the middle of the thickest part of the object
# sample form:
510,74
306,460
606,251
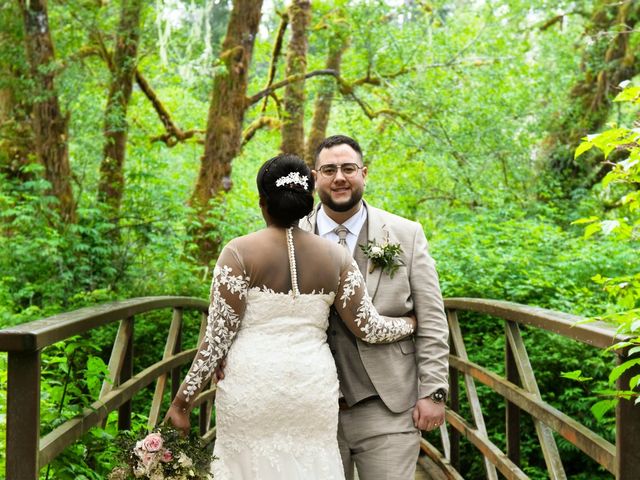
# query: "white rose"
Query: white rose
184,460
376,252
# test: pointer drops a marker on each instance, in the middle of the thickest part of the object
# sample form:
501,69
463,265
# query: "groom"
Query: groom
388,392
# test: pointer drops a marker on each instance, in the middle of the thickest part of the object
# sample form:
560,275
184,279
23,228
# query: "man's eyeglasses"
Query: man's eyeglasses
330,170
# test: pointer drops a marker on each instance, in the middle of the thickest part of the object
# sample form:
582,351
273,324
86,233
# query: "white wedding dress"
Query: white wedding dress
277,407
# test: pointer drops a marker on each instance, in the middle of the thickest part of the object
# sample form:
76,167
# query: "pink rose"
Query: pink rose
167,456
152,442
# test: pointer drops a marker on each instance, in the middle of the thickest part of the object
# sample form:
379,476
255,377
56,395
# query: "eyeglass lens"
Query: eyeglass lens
348,169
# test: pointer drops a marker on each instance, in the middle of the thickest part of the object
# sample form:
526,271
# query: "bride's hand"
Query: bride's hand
218,373
179,419
414,321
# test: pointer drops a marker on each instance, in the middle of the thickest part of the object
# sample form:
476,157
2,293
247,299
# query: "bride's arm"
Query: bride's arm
228,301
354,306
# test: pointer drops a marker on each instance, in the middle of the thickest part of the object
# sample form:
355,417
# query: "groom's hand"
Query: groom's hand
428,415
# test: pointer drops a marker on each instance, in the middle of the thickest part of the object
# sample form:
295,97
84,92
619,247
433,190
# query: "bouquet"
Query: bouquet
163,454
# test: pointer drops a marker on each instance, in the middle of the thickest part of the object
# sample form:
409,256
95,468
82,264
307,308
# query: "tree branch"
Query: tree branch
552,21
277,48
377,80
174,134
256,125
283,83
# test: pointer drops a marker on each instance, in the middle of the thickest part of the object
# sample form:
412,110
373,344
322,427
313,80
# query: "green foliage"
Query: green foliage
73,378
457,96
621,148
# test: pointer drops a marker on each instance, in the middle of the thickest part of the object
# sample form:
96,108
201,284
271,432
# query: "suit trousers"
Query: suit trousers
383,445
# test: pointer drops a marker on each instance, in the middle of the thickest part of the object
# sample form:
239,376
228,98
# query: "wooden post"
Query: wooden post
512,411
23,415
124,412
205,408
454,404
627,428
176,373
204,418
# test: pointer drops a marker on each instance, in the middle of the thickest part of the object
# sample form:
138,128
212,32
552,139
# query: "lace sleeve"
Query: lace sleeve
354,306
228,301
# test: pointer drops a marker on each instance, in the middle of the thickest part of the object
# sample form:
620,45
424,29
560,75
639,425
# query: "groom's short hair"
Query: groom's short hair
335,140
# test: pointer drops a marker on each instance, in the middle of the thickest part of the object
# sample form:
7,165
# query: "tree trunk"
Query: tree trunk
111,185
293,122
322,106
611,27
49,124
16,137
224,122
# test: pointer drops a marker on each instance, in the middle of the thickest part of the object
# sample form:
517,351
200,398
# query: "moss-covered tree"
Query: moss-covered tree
608,59
16,132
324,98
111,183
49,122
224,120
292,129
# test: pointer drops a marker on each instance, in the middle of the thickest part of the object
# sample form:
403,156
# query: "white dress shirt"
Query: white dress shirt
354,224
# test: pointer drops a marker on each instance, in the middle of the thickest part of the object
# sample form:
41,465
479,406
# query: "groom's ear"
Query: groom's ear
314,172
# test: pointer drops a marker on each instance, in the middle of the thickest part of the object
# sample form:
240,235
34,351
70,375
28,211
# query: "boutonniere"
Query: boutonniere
385,255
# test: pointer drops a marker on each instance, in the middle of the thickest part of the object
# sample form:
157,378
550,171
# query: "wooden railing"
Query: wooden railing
521,394
28,452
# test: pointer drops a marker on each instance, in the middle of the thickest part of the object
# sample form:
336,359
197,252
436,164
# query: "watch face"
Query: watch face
438,396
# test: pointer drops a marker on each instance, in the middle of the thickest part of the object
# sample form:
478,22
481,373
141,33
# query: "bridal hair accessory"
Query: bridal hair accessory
163,454
384,256
293,178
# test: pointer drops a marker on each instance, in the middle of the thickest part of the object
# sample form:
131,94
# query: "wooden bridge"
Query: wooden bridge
28,452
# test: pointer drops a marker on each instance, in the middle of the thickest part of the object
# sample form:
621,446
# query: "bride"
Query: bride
277,406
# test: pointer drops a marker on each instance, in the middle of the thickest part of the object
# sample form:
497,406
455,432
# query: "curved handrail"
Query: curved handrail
598,334
24,342
36,335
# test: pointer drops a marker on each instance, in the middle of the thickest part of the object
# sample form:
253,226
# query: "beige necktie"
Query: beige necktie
342,231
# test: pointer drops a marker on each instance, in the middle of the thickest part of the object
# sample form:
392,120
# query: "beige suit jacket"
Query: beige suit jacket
412,368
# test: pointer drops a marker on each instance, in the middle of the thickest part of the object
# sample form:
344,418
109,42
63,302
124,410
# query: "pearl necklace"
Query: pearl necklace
292,262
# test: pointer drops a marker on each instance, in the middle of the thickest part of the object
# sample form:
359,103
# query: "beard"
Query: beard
356,196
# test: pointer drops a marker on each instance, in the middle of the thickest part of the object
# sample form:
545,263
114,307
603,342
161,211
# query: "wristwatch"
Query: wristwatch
438,396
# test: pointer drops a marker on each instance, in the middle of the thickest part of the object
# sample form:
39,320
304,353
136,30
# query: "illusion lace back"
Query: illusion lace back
277,406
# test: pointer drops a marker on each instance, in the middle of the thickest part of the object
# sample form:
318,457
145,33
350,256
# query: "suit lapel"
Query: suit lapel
358,254
309,223
375,233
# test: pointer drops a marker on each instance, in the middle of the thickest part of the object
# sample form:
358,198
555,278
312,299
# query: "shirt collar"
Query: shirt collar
354,223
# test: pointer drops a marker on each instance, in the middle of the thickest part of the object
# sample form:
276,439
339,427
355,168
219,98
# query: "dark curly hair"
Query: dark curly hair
290,202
